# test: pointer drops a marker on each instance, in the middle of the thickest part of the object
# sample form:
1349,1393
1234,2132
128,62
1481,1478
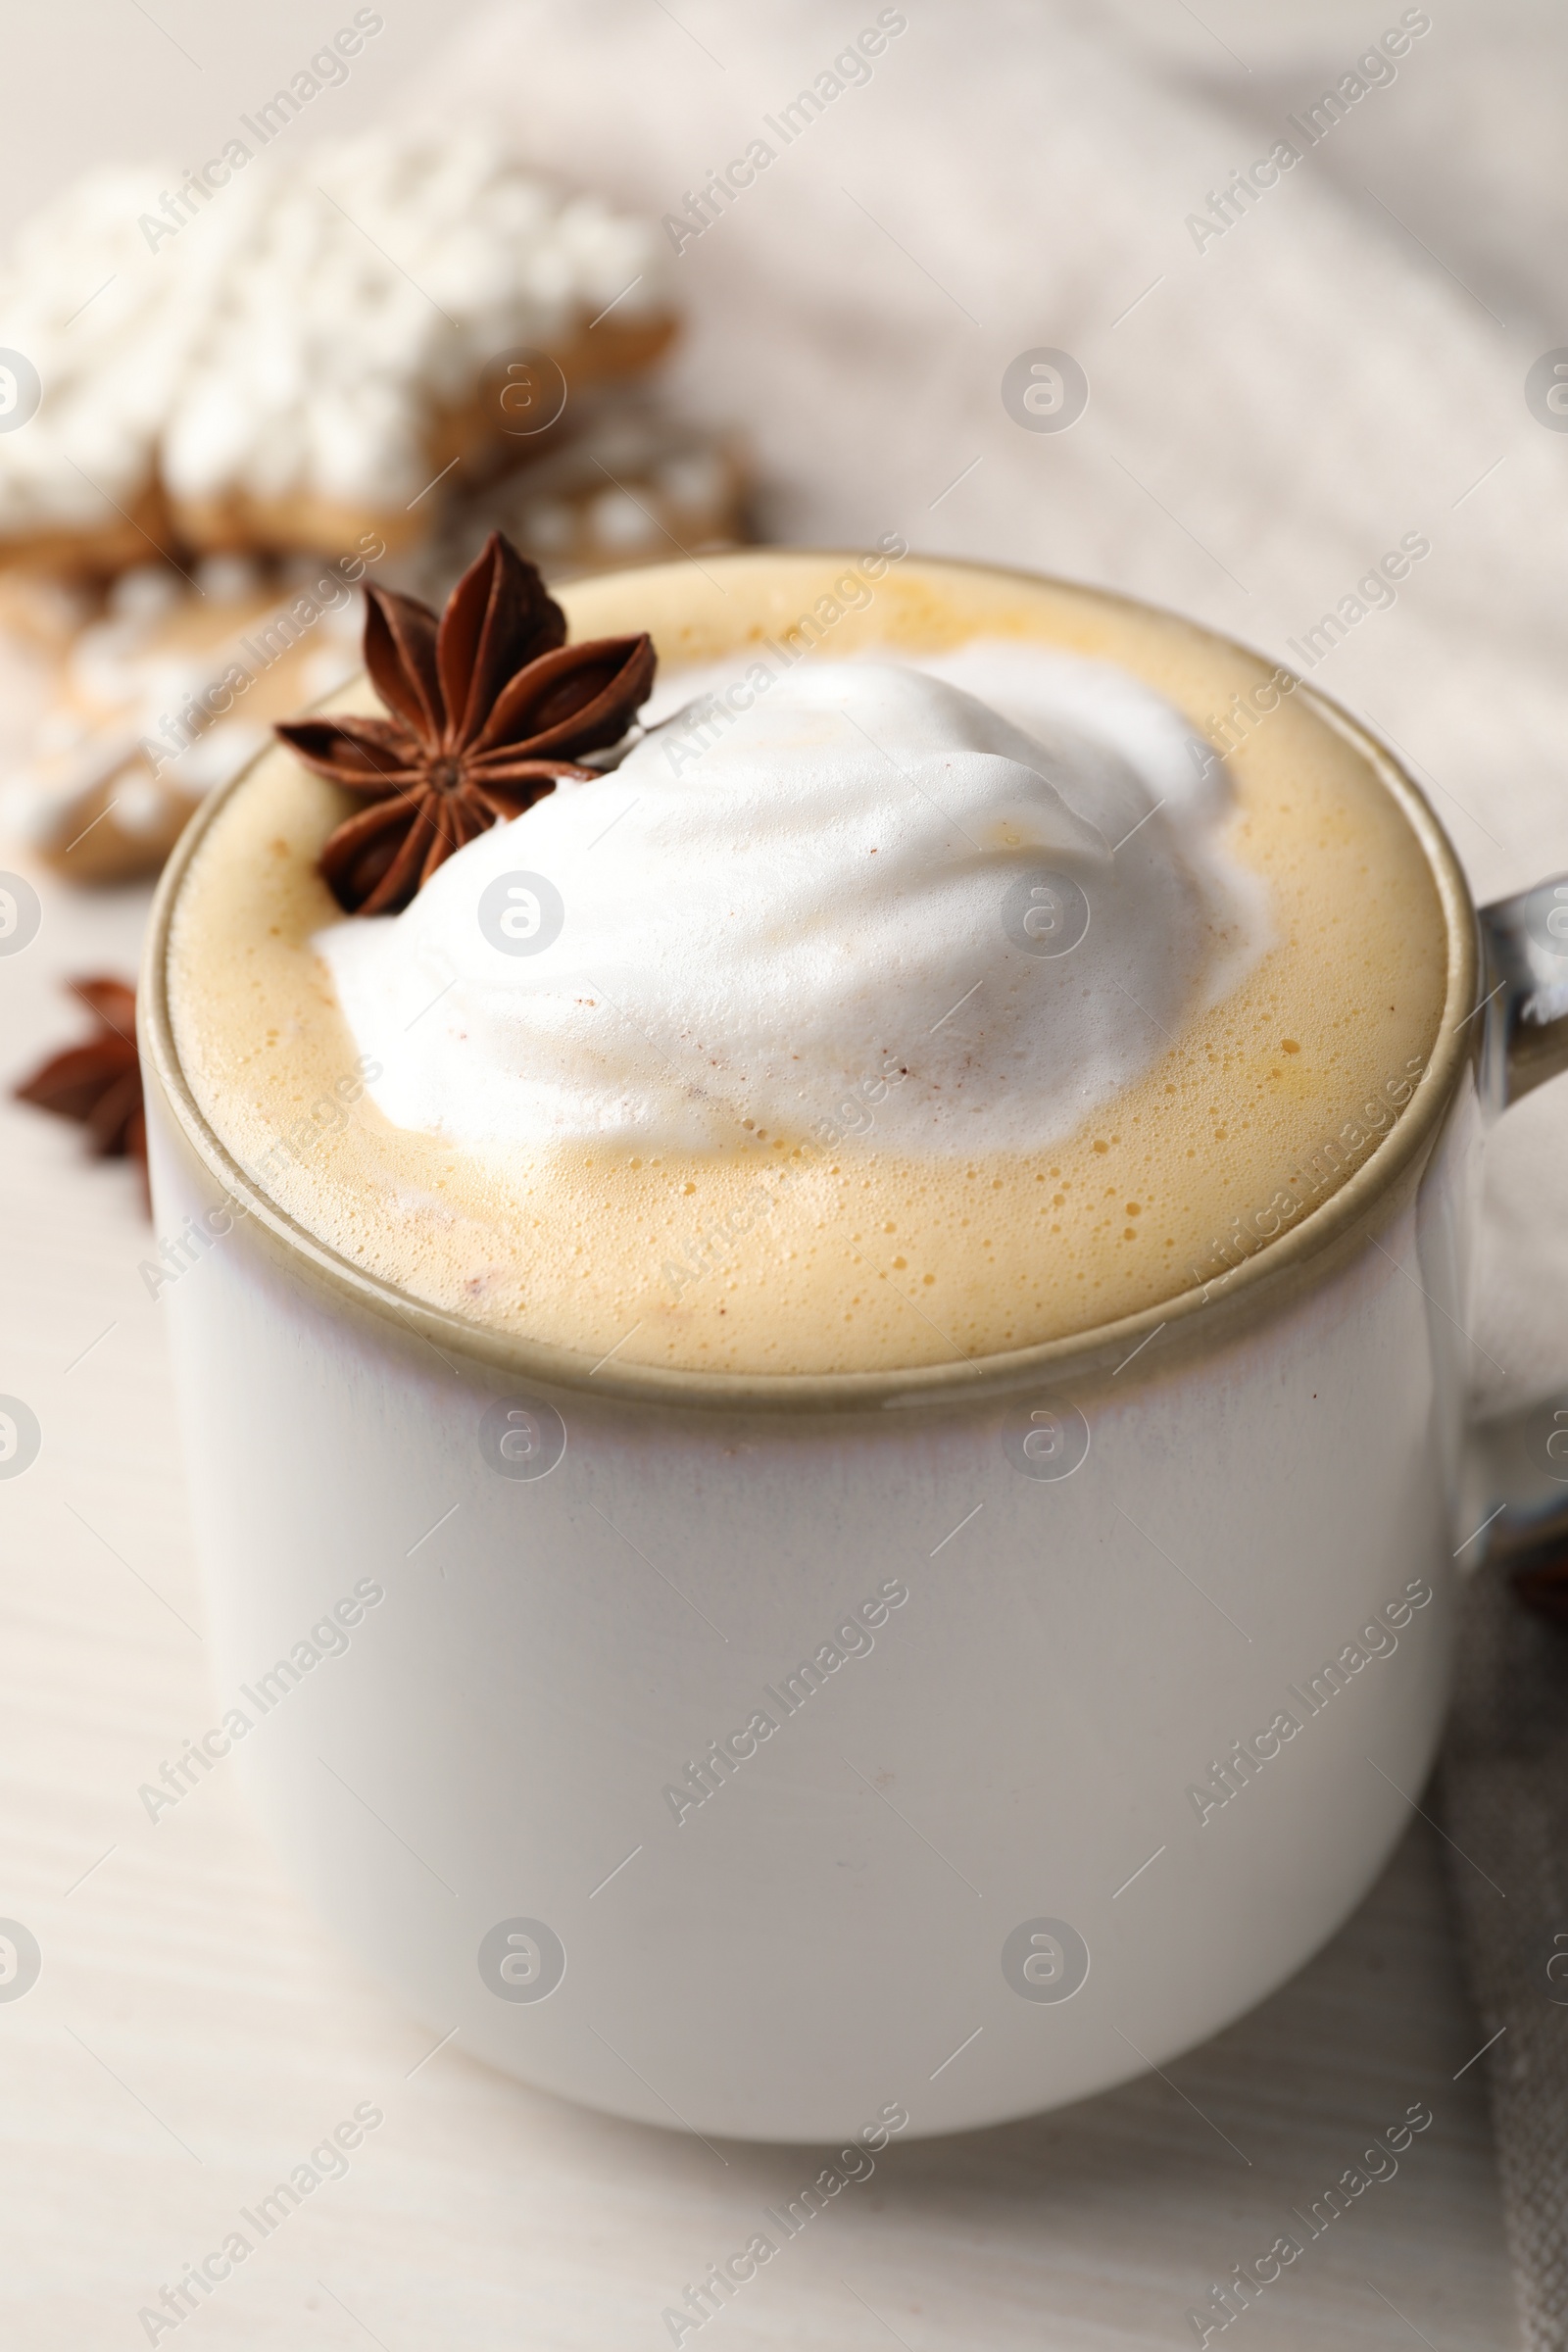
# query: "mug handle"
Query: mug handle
1524,945
1525,960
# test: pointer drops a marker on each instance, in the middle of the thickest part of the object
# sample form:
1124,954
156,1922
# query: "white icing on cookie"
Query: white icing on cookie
296,333
145,716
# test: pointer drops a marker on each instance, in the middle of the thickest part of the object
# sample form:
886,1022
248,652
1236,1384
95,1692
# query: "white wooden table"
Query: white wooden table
194,2034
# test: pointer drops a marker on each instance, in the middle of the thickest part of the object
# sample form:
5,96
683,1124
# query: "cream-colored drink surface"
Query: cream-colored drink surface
901,1199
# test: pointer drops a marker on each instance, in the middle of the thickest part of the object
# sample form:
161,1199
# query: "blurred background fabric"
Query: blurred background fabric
1271,406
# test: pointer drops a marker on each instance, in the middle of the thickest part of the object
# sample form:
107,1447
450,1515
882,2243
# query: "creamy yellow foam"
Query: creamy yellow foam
795,1253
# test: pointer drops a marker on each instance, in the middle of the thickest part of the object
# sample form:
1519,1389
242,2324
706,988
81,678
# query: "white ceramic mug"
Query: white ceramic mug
767,1756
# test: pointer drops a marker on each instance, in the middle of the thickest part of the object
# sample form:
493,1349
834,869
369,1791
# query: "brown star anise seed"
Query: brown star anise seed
99,1083
488,707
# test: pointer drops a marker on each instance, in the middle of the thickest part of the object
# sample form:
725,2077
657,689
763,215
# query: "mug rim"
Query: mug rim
1250,1290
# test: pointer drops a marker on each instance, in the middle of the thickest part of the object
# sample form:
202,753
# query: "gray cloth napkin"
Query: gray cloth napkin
1505,1797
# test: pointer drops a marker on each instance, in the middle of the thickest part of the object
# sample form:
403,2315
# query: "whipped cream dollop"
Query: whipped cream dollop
963,905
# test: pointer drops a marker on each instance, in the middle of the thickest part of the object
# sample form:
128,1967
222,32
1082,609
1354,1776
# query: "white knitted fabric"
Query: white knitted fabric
1505,1803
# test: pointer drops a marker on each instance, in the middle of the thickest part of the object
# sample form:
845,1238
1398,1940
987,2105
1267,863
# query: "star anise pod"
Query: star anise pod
487,707
99,1083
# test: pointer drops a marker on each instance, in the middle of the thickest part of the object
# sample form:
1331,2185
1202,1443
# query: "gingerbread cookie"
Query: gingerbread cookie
167,687
630,484
295,353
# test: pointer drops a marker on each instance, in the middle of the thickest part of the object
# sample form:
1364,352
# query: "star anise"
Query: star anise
99,1083
486,709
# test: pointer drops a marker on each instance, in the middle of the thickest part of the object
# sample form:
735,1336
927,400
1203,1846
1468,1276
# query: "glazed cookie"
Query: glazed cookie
632,484
167,687
295,356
